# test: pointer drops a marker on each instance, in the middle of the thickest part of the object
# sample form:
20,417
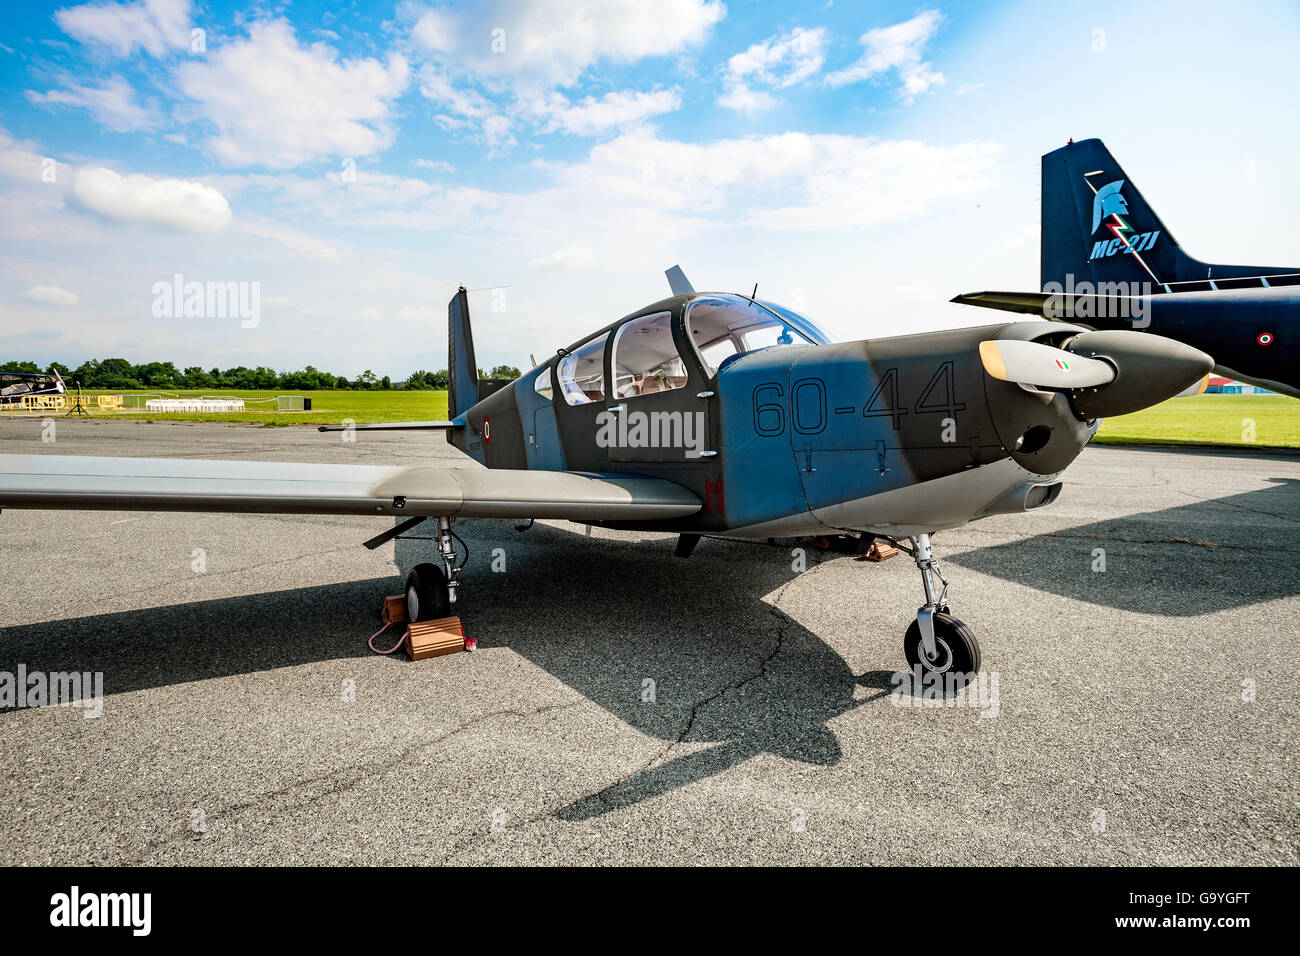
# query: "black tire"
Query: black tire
959,653
427,595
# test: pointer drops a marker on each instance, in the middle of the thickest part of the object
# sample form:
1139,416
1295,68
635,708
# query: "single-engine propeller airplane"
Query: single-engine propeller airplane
709,414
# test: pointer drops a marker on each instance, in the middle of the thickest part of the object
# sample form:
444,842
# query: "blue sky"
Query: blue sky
860,162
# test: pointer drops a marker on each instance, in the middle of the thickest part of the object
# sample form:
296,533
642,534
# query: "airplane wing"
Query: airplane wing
179,484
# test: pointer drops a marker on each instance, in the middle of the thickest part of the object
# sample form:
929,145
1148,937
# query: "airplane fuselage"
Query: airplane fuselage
1253,333
888,435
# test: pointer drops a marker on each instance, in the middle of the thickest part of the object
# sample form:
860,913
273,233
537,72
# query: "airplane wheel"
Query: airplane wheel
427,594
959,652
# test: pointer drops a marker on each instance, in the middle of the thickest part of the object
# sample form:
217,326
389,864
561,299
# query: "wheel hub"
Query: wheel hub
942,661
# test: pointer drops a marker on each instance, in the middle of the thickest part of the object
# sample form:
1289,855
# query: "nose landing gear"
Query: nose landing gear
936,642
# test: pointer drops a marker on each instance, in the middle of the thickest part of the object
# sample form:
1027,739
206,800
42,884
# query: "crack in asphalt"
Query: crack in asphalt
1185,542
773,610
1069,534
359,773
761,672
1227,503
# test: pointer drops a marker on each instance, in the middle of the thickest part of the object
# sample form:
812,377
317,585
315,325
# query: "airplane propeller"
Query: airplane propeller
1032,363
1104,373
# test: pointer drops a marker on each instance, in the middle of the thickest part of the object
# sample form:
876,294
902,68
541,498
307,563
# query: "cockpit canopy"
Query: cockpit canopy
643,355
724,326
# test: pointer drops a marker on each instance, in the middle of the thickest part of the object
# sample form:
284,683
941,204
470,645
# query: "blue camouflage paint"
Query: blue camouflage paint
537,417
784,410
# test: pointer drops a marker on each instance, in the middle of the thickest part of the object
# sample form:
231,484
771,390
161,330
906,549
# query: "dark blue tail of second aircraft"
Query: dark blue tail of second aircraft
1098,228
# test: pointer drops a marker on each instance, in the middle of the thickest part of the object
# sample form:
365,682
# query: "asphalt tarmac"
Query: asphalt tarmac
626,706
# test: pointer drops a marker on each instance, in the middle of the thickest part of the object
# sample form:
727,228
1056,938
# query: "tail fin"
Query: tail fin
1098,228
462,369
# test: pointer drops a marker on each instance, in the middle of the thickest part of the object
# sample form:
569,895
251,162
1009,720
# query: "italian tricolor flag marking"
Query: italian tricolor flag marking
1062,365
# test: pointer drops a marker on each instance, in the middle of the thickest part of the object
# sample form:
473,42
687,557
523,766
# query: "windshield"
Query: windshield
725,325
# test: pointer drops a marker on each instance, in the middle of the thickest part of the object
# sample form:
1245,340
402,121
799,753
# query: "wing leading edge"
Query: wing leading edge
58,482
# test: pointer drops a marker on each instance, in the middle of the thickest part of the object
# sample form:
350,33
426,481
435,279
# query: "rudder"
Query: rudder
462,369
1096,226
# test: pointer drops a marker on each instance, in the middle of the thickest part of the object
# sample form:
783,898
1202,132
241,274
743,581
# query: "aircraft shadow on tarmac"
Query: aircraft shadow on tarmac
603,616
730,671
1193,559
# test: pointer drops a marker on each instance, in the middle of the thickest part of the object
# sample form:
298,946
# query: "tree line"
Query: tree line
116,373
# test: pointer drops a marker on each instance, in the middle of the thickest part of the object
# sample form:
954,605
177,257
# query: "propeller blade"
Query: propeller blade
1032,363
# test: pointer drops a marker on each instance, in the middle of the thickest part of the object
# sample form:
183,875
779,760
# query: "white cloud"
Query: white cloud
155,26
466,108
653,187
278,103
411,313
858,182
20,160
369,314
496,132
437,165
577,258
778,63
494,63
32,198
300,244
52,295
742,99
175,203
898,47
549,43
592,116
367,199
112,103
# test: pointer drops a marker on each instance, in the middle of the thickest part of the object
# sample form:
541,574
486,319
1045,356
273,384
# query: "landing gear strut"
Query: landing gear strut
936,641
430,589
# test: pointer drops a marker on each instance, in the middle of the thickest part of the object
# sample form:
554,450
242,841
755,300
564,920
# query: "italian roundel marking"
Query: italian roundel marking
487,430
1265,338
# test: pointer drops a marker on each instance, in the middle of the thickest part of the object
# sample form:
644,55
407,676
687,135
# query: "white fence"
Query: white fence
195,404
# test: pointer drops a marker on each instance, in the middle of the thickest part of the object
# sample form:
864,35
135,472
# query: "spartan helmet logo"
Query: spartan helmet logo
1108,202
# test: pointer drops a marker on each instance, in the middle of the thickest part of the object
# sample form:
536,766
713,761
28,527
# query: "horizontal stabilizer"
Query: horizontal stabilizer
1107,311
1030,303
393,427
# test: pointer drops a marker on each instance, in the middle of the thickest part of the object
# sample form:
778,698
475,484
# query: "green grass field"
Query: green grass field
1245,421
1198,420
328,407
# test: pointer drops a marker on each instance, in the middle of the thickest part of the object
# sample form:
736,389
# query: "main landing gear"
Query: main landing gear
937,642
430,589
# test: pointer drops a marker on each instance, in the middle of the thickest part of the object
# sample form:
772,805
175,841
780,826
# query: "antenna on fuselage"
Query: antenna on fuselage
753,294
